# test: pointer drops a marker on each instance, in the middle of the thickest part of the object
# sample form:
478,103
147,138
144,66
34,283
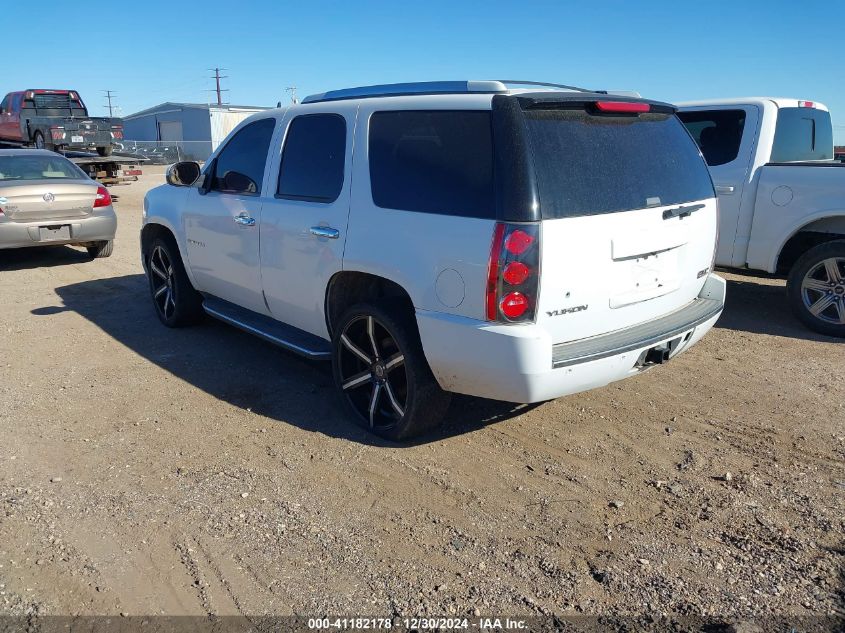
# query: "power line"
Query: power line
217,77
109,95
291,90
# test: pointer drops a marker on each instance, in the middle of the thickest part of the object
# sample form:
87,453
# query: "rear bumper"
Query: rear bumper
95,228
521,364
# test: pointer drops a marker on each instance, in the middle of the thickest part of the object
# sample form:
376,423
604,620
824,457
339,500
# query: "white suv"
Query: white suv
445,237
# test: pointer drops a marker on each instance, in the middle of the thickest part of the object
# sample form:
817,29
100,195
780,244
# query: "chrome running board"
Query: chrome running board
280,334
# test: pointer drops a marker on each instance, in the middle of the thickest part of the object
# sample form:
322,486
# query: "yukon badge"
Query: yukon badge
562,311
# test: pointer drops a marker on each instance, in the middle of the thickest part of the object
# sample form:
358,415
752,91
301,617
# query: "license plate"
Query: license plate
52,233
77,139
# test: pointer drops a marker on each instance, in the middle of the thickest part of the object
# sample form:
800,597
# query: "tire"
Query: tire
42,143
816,288
175,300
382,375
101,249
105,151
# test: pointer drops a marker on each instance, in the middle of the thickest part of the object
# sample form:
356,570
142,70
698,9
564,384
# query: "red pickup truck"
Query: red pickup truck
55,119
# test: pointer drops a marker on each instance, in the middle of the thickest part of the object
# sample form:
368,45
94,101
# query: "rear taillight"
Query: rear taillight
513,273
806,104
103,197
57,133
117,134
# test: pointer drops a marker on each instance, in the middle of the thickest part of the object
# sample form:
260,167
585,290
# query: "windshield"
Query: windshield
587,164
38,168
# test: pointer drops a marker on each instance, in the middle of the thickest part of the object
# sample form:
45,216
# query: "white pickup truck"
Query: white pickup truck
781,197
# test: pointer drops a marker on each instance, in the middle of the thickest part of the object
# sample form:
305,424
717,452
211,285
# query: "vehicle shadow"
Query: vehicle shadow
41,257
755,304
242,370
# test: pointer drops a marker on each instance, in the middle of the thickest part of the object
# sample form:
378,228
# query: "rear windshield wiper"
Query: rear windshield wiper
681,212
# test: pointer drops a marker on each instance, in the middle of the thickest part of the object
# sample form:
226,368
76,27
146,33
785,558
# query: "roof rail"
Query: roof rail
415,88
433,87
520,82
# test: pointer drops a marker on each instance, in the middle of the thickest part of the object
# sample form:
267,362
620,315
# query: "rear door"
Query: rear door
221,222
727,137
629,218
304,219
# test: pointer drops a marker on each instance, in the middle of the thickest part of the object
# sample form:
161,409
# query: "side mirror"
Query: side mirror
183,174
237,182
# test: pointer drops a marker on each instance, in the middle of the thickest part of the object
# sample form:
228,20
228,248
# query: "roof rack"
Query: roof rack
520,82
429,88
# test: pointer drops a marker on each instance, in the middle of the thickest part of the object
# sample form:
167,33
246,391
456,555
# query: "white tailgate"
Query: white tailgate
606,272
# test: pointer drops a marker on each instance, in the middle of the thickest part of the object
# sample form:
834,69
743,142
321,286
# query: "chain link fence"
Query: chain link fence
164,152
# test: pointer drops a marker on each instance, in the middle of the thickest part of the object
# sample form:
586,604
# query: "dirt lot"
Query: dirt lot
149,471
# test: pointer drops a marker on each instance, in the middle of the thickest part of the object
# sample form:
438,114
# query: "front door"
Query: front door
222,218
727,138
303,225
10,123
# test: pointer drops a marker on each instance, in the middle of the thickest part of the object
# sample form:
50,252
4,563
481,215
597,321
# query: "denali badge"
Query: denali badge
563,311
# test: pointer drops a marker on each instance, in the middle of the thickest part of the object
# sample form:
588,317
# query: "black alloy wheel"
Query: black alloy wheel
382,375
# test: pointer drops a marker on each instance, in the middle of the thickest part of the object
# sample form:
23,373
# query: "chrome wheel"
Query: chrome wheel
373,375
823,290
162,282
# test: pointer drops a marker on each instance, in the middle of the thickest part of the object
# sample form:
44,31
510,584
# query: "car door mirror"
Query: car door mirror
183,174
237,182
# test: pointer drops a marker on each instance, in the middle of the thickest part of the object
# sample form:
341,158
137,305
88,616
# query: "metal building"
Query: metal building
193,130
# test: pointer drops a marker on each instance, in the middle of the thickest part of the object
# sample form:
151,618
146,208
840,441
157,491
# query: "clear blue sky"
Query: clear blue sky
150,51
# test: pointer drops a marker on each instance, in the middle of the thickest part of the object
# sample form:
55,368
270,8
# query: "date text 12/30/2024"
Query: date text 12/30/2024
417,624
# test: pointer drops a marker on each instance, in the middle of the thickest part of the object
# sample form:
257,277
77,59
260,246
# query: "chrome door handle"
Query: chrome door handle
244,219
725,190
325,231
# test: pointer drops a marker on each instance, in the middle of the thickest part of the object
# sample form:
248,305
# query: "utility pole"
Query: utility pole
109,95
217,77
291,90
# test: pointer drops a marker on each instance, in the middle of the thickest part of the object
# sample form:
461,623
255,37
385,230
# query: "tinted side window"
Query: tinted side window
590,164
802,134
313,158
4,105
717,132
240,165
433,162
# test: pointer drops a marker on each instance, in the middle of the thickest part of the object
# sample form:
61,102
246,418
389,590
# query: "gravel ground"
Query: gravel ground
201,471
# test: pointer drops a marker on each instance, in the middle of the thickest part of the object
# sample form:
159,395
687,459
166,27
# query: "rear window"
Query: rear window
591,164
433,162
313,158
38,168
55,104
802,134
717,132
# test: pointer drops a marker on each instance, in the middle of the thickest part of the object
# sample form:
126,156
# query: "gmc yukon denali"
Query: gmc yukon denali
514,244
781,197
